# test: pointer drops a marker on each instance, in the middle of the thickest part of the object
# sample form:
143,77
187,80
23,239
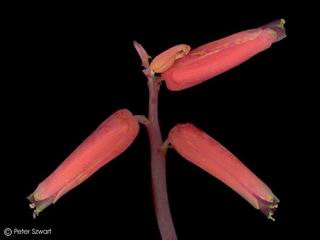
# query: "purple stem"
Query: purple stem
158,165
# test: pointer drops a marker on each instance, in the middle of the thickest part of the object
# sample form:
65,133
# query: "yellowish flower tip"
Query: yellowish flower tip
281,23
271,218
282,34
268,208
278,28
38,206
273,208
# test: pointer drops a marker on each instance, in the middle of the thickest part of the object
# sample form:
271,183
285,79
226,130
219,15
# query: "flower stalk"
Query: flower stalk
158,153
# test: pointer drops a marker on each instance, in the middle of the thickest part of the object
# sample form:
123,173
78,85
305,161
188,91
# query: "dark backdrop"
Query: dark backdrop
71,67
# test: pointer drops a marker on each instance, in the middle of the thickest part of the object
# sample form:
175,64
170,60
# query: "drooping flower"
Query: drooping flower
108,141
208,154
216,57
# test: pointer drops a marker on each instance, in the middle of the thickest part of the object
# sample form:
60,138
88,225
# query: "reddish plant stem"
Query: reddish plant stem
158,165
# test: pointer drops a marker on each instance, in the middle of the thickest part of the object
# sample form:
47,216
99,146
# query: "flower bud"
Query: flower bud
167,58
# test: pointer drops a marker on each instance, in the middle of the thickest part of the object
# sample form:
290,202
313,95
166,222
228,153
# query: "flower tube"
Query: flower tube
216,57
205,152
108,141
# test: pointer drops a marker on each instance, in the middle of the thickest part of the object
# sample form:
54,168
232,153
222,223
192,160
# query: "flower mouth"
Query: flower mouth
278,28
38,206
268,208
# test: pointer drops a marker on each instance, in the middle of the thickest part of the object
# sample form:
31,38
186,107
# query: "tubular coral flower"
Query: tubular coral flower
213,58
108,141
205,152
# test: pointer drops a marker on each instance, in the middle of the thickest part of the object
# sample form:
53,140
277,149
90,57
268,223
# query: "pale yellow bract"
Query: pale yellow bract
166,59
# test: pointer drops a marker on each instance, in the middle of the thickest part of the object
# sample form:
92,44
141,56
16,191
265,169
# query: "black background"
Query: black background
70,67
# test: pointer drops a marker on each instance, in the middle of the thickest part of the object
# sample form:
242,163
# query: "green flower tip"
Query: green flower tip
38,206
278,27
268,208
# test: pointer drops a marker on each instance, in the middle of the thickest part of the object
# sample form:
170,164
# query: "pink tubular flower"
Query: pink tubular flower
109,140
211,59
205,152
